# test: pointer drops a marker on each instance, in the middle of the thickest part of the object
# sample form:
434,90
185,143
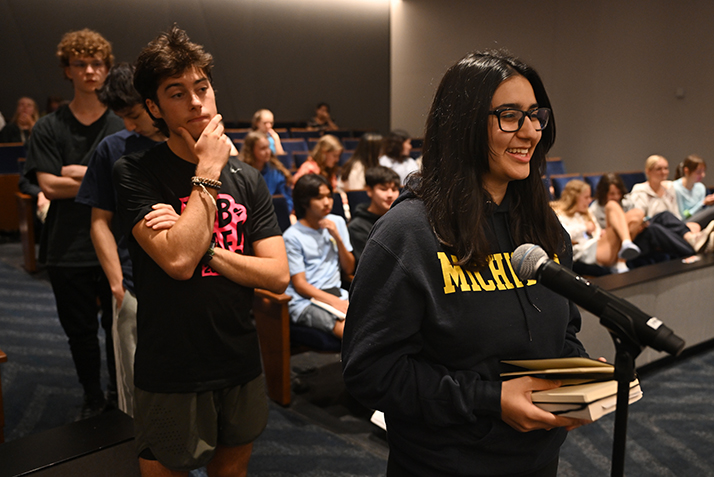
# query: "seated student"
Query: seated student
324,160
382,189
396,147
322,121
256,152
593,245
365,156
263,121
692,200
20,126
318,247
657,193
611,187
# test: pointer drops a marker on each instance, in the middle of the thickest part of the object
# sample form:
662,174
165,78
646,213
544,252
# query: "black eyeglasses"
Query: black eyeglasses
511,120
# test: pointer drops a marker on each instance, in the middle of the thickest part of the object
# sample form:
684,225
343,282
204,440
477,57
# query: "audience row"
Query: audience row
657,220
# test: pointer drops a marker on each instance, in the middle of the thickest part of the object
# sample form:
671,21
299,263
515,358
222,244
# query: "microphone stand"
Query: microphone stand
627,348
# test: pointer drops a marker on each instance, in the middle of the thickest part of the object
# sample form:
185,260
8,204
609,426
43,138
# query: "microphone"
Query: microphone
616,314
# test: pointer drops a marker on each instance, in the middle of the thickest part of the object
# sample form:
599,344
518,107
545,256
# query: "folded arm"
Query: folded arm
178,250
267,269
64,186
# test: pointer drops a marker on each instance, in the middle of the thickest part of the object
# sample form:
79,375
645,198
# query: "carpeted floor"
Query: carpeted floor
324,432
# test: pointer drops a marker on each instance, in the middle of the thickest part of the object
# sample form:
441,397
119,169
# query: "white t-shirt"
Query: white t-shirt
403,168
584,243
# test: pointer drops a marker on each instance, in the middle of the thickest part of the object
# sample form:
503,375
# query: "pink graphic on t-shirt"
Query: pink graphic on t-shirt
225,229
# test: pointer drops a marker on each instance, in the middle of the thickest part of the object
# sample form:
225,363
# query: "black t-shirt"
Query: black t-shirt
58,140
197,334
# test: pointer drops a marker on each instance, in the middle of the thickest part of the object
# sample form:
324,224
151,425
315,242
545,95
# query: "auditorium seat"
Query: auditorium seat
350,143
345,156
280,204
279,339
558,182
417,142
311,143
9,220
287,160
294,144
337,206
283,133
10,153
340,134
299,157
592,179
356,197
238,133
303,133
630,178
554,165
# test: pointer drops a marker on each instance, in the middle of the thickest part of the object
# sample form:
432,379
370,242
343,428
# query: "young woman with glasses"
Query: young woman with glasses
435,305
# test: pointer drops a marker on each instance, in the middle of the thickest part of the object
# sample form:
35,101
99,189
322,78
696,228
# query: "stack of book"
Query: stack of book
588,390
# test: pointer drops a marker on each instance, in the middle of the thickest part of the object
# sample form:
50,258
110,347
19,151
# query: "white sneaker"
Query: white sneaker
619,267
702,238
628,250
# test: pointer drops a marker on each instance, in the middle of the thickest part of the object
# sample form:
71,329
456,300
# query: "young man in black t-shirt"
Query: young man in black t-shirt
57,157
97,191
199,395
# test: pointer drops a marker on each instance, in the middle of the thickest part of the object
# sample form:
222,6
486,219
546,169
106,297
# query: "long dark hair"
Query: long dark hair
603,187
393,145
367,153
456,156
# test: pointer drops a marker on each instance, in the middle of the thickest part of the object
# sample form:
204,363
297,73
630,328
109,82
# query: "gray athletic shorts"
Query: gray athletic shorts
182,431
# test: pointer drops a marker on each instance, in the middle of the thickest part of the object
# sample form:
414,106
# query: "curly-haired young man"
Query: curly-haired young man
57,157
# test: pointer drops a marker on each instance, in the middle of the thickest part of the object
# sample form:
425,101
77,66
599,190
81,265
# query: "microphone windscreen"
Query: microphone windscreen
526,260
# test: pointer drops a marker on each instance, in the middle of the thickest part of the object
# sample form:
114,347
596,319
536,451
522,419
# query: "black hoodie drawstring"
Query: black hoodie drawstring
512,246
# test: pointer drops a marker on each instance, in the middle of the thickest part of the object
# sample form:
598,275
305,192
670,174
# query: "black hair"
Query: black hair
456,157
118,92
381,175
307,187
393,144
603,187
367,152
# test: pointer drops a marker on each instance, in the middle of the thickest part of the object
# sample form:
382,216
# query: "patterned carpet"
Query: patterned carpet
41,390
670,431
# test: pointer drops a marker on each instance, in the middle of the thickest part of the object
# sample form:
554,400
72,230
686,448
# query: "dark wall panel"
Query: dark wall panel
280,54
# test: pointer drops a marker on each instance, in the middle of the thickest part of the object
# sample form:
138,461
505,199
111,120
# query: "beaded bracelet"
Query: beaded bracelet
202,182
212,183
